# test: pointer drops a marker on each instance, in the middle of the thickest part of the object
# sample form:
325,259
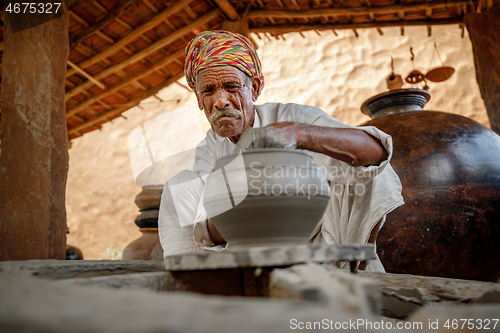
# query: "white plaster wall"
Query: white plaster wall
336,74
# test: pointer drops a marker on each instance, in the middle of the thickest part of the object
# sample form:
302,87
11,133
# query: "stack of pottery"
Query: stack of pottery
147,246
449,167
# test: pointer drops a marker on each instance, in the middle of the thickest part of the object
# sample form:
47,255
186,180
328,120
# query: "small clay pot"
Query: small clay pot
266,197
73,253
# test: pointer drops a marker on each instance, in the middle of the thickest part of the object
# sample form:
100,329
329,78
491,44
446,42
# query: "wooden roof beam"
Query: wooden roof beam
124,83
126,106
282,29
99,6
137,32
302,14
150,6
160,43
150,24
228,9
111,16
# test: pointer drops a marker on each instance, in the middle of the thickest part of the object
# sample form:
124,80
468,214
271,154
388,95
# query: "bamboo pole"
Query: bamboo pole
78,18
127,105
282,29
122,84
301,14
87,75
151,48
137,32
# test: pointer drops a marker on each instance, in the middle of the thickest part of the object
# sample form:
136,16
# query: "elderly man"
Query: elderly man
225,73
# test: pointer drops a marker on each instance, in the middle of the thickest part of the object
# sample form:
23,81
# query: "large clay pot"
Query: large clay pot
449,166
266,197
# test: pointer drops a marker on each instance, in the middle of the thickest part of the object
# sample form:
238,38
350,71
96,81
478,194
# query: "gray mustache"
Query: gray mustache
225,112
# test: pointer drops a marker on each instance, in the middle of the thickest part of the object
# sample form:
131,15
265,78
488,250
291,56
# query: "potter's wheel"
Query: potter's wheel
270,256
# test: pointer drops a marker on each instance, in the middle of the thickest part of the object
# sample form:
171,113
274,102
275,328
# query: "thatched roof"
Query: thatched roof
123,51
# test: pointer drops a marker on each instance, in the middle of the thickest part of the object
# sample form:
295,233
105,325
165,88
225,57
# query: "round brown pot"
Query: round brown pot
449,166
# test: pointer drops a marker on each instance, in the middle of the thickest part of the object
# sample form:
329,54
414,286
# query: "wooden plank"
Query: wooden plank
126,106
124,83
151,48
282,29
137,32
301,14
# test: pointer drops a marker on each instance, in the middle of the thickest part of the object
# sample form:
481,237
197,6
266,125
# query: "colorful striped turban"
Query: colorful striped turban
221,48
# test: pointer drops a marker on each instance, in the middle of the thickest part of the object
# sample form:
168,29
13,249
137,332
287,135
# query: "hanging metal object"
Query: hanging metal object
394,81
415,76
440,74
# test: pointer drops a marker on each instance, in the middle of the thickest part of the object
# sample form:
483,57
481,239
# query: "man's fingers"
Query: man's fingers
266,137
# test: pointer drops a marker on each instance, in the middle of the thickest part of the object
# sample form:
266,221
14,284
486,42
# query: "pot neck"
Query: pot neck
394,102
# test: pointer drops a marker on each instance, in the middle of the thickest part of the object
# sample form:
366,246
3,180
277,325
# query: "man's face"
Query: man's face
227,98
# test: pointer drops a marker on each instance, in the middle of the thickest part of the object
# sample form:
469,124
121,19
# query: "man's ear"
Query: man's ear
256,84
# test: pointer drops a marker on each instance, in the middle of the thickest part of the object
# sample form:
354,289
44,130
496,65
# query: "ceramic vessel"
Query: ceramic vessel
148,202
449,167
141,248
73,253
266,197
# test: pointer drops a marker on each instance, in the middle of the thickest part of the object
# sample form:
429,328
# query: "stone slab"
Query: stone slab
404,294
270,256
67,269
154,281
28,304
335,289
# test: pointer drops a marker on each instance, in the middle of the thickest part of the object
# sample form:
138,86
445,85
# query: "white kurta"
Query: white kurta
360,196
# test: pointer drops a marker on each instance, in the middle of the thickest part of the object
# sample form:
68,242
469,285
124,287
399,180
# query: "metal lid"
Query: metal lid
395,101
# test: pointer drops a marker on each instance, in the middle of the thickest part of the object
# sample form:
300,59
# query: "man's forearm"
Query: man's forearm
349,145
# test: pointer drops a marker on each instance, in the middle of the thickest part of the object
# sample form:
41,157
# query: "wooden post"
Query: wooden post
34,143
484,33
